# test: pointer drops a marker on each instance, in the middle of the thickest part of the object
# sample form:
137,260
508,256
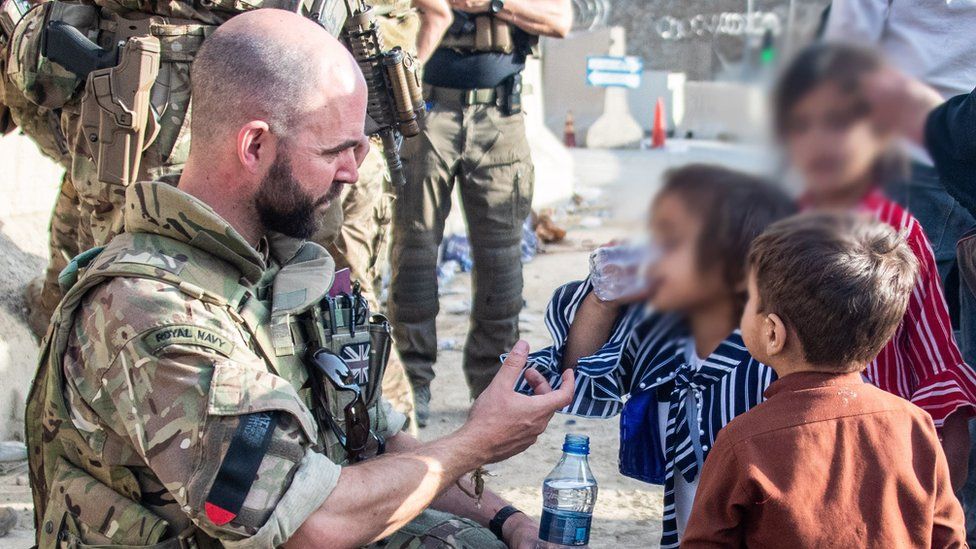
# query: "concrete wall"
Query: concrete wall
28,183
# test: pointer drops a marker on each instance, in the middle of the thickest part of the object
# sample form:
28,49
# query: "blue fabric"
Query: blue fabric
640,454
644,357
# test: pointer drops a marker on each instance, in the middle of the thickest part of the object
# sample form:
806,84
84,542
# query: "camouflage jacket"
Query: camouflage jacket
158,355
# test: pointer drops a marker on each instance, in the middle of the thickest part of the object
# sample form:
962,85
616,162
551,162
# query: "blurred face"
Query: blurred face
677,281
312,165
831,141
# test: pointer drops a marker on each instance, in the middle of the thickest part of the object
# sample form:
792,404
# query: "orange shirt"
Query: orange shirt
827,461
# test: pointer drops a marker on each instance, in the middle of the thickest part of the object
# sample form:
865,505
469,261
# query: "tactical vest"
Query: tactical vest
74,491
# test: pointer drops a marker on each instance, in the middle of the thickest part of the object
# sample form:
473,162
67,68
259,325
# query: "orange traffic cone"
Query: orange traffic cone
658,132
569,131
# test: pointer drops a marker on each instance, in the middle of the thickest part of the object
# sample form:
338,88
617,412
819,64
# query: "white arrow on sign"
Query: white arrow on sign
613,79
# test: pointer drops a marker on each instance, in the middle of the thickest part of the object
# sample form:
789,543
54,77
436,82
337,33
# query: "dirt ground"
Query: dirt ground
628,512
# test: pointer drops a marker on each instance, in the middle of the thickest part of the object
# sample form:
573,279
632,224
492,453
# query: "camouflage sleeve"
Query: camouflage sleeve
178,394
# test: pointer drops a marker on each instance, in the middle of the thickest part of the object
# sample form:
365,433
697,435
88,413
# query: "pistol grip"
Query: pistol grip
115,111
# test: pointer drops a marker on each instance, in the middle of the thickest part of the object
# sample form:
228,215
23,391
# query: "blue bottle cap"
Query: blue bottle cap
577,444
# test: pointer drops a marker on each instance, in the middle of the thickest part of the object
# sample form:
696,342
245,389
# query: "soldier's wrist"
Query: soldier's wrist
469,448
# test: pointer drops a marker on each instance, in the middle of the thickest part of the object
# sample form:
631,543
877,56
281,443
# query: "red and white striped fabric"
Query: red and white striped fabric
922,362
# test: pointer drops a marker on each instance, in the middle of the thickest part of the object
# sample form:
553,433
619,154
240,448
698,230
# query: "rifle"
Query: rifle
395,107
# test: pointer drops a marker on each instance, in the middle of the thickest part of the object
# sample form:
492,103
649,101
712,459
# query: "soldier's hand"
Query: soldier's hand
503,423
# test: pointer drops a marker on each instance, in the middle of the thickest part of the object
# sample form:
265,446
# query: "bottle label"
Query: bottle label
565,527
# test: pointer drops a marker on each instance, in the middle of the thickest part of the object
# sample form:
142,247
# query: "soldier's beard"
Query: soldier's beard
282,205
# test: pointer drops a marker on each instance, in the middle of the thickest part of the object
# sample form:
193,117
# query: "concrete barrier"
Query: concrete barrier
729,111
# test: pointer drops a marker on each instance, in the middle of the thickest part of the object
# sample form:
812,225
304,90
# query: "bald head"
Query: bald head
270,65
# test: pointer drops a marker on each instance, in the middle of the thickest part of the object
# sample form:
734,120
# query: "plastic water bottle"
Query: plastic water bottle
568,497
621,271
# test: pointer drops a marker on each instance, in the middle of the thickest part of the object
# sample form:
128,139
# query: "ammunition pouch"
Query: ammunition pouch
83,512
485,33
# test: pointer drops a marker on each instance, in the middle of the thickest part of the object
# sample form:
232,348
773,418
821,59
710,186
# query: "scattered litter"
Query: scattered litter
457,248
547,230
586,194
446,272
530,242
448,345
570,422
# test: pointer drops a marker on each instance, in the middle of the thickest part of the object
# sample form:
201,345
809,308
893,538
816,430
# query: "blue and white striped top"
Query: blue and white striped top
642,365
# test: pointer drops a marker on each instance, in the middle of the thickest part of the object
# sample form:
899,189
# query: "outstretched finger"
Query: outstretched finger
538,382
512,367
563,396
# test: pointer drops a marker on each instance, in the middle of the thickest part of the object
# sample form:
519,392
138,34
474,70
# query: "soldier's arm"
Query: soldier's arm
376,498
435,18
542,17
455,500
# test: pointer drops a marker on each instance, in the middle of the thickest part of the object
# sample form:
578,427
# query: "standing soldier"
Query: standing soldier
475,136
361,242
50,49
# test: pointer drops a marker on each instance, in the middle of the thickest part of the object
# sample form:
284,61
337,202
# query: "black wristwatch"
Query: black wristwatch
496,6
499,520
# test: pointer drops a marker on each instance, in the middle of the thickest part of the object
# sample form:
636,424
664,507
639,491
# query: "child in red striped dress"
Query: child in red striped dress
843,160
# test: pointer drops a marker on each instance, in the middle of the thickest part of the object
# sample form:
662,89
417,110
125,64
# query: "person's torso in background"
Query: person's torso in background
931,40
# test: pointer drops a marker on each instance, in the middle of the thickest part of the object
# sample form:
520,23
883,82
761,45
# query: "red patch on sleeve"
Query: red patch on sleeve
218,515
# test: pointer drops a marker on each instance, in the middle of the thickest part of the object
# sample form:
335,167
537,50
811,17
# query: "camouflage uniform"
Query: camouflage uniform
160,359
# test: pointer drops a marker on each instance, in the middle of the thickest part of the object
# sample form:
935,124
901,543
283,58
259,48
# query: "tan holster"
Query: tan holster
115,111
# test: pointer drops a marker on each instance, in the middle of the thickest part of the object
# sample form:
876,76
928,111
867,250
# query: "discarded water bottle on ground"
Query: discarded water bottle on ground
620,271
568,497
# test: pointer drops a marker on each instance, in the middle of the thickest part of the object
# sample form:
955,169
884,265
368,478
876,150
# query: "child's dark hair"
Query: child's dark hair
734,207
841,64
840,281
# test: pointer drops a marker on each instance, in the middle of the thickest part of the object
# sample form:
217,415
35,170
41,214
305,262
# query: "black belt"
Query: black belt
465,98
